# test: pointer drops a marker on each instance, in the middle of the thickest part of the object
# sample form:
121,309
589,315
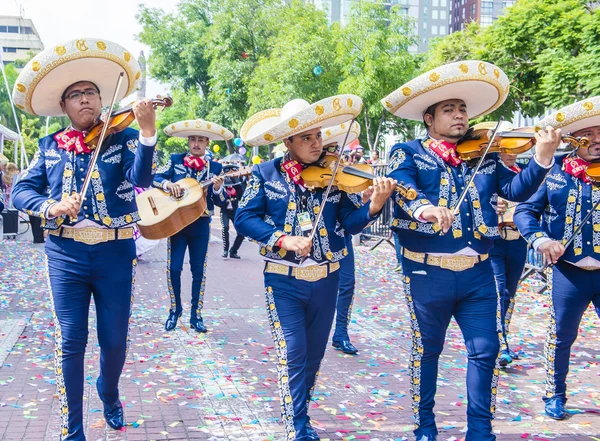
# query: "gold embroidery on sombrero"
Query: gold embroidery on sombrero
287,405
58,368
133,269
551,339
169,283
416,354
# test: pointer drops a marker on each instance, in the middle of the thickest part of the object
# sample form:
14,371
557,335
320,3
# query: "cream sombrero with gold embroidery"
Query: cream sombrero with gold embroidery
337,134
198,127
43,80
577,116
298,116
481,85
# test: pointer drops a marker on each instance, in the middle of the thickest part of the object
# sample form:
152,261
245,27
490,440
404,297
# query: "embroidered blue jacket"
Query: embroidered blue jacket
270,207
110,199
174,170
564,201
440,184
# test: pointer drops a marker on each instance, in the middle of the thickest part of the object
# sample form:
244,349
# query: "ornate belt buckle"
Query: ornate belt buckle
90,236
311,273
457,263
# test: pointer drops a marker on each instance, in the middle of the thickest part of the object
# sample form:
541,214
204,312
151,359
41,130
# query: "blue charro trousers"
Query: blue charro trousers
77,272
195,237
300,314
572,291
346,293
508,260
435,295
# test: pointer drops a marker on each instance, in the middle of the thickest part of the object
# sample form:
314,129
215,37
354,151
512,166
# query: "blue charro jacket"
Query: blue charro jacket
270,206
440,184
110,198
564,201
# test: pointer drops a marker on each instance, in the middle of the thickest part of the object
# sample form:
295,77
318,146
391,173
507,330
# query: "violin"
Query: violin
119,120
348,178
516,141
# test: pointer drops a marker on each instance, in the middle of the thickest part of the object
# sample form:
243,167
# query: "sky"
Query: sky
61,20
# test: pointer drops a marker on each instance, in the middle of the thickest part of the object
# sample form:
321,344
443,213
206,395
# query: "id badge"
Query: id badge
304,221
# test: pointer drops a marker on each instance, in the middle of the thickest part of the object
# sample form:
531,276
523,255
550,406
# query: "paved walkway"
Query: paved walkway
223,385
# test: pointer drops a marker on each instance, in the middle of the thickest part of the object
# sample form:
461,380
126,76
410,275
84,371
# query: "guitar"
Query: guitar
163,215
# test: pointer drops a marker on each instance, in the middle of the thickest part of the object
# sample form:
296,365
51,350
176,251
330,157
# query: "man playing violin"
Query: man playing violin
508,258
301,275
564,200
447,271
194,164
90,248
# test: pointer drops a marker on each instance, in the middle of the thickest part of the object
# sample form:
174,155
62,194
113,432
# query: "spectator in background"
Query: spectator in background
359,153
375,160
8,176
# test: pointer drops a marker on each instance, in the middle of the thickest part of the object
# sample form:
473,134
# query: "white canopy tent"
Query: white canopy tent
8,135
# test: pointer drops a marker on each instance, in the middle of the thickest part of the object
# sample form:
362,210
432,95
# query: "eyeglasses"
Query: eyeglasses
77,94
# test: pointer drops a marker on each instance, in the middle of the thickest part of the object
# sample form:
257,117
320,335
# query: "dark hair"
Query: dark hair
62,97
431,111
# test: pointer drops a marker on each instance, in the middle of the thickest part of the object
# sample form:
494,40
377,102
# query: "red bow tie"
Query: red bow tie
294,171
72,140
194,162
575,166
445,150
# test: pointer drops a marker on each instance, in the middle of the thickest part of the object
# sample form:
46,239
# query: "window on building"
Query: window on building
26,30
9,49
486,20
443,14
472,13
434,30
443,4
487,8
12,29
508,3
443,30
435,3
463,13
435,14
3,29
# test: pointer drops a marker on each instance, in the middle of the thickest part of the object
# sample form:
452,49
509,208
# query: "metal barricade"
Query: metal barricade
534,265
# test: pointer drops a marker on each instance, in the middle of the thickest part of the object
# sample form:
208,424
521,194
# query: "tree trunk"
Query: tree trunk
230,146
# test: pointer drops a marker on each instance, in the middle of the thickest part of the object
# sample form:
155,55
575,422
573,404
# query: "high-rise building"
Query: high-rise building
431,17
483,11
18,37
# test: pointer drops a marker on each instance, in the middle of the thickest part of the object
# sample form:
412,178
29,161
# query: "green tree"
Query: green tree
372,52
6,114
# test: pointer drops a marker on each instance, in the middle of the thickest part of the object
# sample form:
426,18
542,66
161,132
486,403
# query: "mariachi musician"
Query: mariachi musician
508,258
301,274
234,189
447,231
565,199
195,164
90,248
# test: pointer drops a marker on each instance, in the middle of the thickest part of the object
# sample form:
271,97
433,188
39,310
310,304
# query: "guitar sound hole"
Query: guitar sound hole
183,195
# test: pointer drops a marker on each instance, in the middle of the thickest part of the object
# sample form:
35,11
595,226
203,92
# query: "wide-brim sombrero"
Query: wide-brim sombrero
298,116
574,117
481,85
43,80
198,127
337,134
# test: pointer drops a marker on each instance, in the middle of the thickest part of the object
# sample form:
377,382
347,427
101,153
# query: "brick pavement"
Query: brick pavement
222,385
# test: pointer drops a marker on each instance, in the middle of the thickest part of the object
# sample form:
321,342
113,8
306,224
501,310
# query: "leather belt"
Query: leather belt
310,273
451,262
93,236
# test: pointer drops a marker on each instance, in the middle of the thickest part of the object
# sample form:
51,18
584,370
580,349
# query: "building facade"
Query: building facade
485,12
18,37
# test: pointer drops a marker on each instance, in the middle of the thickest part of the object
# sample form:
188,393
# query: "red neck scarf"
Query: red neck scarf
575,166
194,162
445,150
72,140
515,168
231,193
294,171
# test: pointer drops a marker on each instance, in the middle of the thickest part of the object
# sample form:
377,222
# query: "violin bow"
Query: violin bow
96,152
328,189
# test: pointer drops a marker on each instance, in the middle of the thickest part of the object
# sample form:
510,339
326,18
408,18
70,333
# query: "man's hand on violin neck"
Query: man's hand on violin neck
69,206
146,117
299,244
547,141
439,215
382,190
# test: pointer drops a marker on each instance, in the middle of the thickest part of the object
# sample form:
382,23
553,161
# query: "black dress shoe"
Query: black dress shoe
311,433
345,346
197,324
555,408
114,415
171,322
233,254
224,255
